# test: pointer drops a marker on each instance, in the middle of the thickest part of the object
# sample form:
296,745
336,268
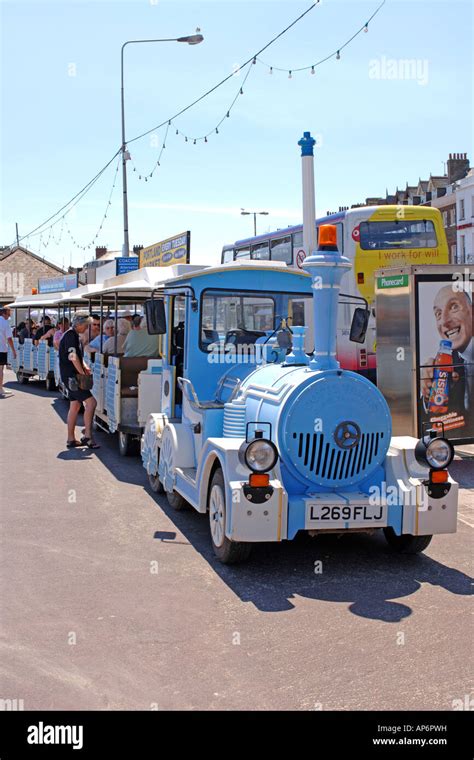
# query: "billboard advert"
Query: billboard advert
57,284
445,382
173,250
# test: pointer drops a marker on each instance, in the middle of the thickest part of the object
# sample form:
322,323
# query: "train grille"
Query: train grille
322,458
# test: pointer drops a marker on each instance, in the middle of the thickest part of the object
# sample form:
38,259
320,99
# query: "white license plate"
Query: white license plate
345,515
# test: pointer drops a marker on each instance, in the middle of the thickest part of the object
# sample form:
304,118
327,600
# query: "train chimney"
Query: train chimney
307,144
326,267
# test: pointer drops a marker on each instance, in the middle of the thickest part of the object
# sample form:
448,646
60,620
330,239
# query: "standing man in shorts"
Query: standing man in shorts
71,364
6,339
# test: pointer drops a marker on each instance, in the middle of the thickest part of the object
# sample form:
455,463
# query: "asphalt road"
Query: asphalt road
110,600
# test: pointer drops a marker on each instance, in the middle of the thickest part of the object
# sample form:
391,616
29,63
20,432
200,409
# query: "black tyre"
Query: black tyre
406,544
124,444
49,383
176,501
22,378
155,483
228,552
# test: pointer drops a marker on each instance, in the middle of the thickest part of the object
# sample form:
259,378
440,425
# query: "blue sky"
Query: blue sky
61,112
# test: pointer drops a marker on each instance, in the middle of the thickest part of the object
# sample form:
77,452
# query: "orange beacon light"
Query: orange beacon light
327,238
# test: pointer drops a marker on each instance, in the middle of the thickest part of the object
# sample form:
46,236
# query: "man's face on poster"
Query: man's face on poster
453,314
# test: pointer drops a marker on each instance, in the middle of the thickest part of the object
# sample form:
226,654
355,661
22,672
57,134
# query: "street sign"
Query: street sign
392,281
126,264
300,257
173,250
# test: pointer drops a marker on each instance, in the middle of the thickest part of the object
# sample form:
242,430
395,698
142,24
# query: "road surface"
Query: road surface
111,600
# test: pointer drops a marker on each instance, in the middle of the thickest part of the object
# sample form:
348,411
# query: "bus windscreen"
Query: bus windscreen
403,233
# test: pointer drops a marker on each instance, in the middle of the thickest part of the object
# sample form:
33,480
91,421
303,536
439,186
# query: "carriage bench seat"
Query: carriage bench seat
130,367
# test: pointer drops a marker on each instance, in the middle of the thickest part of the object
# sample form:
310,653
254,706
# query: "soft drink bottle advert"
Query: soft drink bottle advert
442,373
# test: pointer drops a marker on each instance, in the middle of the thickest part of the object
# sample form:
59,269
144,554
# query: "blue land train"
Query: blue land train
269,440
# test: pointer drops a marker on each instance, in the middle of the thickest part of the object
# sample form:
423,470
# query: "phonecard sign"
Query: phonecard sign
173,250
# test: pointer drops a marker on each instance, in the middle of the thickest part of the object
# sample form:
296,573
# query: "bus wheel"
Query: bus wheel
155,483
228,552
49,383
176,501
21,377
406,544
124,444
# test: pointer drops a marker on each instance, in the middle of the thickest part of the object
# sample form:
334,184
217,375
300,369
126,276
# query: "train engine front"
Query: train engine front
318,453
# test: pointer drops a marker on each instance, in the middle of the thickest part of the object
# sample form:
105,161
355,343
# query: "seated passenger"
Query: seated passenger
62,327
139,342
45,327
109,332
123,328
92,332
27,331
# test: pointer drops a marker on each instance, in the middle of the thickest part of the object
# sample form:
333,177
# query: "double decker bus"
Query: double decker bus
372,237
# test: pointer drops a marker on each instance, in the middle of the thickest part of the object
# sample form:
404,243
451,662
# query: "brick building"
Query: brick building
439,191
20,271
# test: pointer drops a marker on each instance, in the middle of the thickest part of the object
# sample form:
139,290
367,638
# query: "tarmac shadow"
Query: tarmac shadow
358,570
77,454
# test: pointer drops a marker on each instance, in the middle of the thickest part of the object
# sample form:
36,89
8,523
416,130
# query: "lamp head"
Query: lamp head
191,39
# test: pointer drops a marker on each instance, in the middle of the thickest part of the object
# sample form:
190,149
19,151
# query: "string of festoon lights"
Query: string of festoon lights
335,54
65,226
93,240
194,139
171,126
142,175
198,138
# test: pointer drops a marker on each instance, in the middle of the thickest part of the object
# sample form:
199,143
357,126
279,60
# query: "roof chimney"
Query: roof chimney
458,166
100,251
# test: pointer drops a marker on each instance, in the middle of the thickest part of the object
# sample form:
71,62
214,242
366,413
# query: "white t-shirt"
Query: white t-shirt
5,333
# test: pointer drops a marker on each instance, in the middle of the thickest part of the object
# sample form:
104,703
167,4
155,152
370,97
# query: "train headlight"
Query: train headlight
436,453
260,455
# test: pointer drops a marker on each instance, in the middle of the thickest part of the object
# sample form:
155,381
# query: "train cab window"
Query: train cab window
231,319
282,249
296,310
177,347
261,251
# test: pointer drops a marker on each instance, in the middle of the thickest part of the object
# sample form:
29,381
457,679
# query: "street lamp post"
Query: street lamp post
193,39
254,213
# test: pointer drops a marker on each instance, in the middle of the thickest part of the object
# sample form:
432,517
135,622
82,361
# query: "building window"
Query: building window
472,205
462,240
445,219
453,255
461,208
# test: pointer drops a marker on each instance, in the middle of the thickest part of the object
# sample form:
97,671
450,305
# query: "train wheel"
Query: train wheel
124,444
229,552
155,483
21,377
49,383
406,544
176,501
